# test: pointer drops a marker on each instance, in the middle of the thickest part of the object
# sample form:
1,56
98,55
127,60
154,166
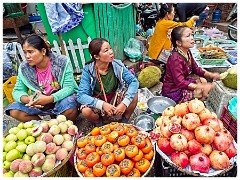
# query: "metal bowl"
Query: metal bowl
146,122
158,104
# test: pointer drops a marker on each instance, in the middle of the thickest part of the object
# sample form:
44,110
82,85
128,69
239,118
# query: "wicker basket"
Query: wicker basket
164,169
170,169
62,169
66,170
144,175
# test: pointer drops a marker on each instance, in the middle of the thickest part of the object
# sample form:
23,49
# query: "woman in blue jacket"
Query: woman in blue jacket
107,87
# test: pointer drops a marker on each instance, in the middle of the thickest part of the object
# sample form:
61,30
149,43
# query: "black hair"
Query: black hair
176,35
165,8
95,47
37,42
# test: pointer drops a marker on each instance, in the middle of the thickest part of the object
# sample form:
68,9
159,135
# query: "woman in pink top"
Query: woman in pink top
184,80
45,84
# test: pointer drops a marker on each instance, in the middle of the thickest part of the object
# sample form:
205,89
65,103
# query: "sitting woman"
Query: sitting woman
107,87
184,80
49,79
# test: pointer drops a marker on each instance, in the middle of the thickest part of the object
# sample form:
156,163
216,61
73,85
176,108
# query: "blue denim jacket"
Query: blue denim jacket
88,81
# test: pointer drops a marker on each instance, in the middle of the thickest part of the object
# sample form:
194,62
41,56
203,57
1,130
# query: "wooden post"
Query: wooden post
61,43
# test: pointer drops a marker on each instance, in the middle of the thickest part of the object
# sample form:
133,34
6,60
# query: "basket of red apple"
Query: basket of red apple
39,148
114,150
194,141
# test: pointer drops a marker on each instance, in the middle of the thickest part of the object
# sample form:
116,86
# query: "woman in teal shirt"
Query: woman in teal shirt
60,100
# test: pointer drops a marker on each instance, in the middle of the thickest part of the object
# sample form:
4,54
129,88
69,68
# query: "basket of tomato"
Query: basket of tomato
114,150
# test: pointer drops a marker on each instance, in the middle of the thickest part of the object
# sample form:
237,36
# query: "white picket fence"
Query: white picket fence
70,49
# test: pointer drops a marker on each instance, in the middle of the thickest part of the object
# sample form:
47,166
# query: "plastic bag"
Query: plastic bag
8,68
134,49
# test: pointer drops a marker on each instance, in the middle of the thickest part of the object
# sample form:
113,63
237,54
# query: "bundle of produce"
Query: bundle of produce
114,150
229,78
212,53
194,140
36,148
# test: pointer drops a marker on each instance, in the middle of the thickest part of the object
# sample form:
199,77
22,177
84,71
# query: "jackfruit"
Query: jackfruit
229,78
149,76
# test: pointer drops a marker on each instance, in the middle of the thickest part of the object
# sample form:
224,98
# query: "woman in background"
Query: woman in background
160,44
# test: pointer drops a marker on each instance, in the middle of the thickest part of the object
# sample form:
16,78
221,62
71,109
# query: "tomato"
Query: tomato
90,148
112,125
138,156
92,159
148,147
134,173
115,146
107,158
99,140
119,154
89,173
131,151
107,147
142,165
149,155
99,151
105,130
82,141
113,170
95,131
126,166
82,165
90,139
120,129
112,136
139,141
99,169
131,132
81,153
123,140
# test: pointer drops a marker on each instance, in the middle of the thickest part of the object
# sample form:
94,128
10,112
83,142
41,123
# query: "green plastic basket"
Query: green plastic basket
212,61
13,9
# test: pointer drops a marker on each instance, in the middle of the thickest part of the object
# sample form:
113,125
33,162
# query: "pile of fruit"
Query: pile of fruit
194,138
114,150
32,149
